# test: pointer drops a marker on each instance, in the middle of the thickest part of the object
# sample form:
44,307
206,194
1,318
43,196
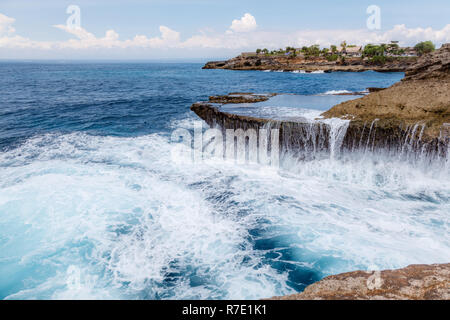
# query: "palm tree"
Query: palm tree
383,47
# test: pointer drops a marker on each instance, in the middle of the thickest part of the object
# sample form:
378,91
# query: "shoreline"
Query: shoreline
412,116
315,65
414,282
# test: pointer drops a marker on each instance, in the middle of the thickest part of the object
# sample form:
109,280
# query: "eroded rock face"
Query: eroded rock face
412,116
304,138
308,139
415,282
423,97
435,65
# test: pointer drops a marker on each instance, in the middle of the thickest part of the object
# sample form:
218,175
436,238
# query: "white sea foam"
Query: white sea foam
137,225
334,92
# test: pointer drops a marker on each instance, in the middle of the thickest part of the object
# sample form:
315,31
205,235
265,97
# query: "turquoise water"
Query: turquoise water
92,204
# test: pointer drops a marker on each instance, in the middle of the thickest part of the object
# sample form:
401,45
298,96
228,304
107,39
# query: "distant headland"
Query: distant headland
346,57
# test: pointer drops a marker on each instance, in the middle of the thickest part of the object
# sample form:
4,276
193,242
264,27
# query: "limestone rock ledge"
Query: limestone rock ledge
395,135
411,115
423,96
415,282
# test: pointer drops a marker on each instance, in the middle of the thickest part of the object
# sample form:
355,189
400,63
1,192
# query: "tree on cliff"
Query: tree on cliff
424,47
375,53
372,50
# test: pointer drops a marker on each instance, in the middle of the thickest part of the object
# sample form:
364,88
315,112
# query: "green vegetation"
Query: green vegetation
394,49
290,49
312,51
277,52
372,50
379,60
424,47
373,53
380,54
332,57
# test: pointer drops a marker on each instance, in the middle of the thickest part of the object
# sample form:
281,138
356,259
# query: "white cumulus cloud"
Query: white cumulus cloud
6,24
242,35
245,24
168,39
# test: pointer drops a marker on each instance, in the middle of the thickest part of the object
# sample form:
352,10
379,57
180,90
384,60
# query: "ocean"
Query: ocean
92,205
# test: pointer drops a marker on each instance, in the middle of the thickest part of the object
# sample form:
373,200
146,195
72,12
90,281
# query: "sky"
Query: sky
178,29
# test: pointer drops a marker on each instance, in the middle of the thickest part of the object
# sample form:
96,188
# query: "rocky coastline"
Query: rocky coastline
317,64
423,97
301,137
415,282
412,115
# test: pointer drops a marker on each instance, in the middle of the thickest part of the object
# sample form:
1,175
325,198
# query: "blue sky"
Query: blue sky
277,23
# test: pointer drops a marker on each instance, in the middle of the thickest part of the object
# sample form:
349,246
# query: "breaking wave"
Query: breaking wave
110,217
334,92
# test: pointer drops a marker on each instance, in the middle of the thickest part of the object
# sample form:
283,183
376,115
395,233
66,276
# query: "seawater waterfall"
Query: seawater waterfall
308,139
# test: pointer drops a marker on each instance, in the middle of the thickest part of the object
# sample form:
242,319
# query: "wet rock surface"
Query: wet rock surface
308,137
415,282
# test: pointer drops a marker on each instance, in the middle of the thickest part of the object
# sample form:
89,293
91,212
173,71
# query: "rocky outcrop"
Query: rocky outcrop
240,97
281,63
423,97
415,282
411,117
435,65
311,139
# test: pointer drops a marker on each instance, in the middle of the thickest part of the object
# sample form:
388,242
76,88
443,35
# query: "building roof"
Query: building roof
353,49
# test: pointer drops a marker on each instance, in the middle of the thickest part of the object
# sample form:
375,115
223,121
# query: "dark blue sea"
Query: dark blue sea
93,206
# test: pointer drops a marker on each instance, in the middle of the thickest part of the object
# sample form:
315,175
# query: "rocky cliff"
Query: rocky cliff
310,139
422,97
281,63
411,116
415,282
